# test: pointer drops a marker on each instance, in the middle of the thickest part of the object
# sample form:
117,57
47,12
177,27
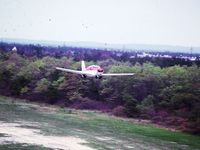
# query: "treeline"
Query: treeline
167,95
92,54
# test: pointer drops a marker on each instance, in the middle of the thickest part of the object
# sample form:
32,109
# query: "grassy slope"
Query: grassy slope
101,131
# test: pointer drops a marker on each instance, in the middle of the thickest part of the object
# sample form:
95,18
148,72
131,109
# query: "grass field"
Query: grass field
87,129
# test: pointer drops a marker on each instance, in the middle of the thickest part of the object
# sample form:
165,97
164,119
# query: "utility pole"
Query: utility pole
191,50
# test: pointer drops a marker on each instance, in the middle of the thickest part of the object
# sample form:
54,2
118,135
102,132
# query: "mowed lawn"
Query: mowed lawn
99,131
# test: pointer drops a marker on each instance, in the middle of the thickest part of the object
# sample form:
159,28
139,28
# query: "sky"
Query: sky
169,22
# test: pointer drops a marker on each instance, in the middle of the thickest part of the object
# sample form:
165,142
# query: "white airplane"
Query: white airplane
93,71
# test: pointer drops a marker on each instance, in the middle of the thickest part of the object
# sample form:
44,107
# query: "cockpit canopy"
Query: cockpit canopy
100,70
95,67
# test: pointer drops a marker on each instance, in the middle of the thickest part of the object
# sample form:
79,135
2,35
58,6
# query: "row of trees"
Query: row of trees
92,54
168,96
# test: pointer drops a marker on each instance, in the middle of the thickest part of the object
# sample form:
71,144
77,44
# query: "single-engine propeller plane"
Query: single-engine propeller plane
93,71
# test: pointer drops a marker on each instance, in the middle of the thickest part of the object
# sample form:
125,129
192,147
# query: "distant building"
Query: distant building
14,49
157,55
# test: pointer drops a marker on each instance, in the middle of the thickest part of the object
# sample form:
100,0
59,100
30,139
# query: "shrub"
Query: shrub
147,107
86,103
130,106
119,111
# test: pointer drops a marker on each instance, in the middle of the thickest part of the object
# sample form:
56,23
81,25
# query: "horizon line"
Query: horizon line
98,42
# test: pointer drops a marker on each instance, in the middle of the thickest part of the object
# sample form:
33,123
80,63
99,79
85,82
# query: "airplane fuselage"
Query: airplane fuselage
93,71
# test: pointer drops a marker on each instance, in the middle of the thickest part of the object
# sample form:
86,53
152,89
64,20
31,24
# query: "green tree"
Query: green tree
17,84
184,100
146,107
130,106
42,85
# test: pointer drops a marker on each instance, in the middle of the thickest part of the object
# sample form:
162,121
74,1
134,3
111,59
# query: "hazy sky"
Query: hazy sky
172,22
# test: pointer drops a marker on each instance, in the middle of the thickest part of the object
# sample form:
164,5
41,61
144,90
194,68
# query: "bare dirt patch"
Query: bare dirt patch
17,134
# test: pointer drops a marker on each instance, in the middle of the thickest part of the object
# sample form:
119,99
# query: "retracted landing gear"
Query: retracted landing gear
84,76
98,77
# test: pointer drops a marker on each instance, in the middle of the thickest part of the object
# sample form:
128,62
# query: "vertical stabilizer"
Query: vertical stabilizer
82,65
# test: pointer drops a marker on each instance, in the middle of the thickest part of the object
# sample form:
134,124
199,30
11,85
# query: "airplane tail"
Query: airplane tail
82,65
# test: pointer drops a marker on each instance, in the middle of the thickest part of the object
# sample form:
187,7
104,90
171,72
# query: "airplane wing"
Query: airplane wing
117,74
70,70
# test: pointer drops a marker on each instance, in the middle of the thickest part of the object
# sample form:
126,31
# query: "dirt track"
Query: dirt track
17,134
